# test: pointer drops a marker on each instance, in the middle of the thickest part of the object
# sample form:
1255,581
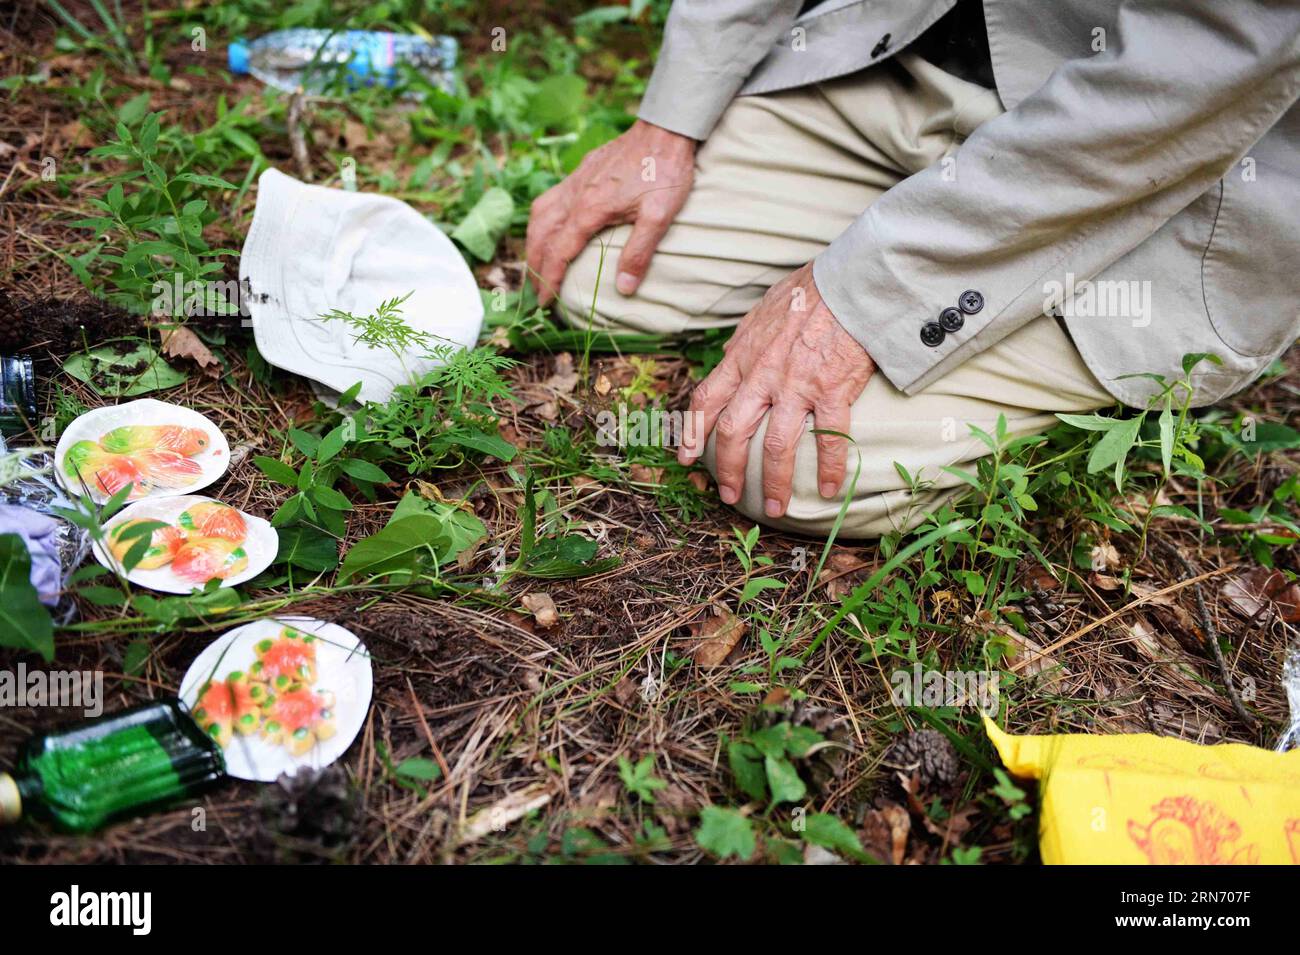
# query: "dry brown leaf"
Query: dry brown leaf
542,607
900,826
1263,587
563,379
179,342
603,384
719,634
643,475
504,811
700,480
1104,556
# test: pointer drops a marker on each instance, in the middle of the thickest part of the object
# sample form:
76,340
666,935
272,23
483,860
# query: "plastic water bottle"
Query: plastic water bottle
289,59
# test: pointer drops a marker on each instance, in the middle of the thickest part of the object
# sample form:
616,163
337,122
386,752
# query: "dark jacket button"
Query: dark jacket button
970,301
880,47
951,319
932,334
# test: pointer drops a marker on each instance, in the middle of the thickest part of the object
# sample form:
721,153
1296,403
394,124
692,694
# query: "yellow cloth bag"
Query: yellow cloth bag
1137,799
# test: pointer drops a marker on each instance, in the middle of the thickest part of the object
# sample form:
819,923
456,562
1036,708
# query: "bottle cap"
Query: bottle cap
237,57
11,800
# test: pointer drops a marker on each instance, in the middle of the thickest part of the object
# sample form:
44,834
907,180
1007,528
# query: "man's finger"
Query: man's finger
785,426
647,232
564,245
832,450
736,425
542,221
707,401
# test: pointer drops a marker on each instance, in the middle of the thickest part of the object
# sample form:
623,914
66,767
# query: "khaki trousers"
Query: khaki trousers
780,177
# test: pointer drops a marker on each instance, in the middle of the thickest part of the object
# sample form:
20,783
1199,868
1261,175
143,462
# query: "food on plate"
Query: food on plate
213,519
298,718
200,559
164,542
285,659
165,437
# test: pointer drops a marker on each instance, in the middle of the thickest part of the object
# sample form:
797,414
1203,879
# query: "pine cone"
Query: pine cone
928,753
308,817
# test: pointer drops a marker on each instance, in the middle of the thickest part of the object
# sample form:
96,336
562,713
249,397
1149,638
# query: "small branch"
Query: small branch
1211,633
297,141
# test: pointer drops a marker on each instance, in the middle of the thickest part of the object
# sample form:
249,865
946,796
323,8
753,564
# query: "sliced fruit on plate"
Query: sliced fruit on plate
164,542
107,473
151,437
202,558
168,469
213,519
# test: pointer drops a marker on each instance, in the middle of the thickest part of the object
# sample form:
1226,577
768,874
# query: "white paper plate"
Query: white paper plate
92,425
261,544
342,668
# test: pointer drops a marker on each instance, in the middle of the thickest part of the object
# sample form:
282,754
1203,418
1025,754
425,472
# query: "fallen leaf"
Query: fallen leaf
1263,587
179,342
563,379
1104,556
719,634
496,817
700,480
542,607
584,484
1105,582
900,825
644,475
603,384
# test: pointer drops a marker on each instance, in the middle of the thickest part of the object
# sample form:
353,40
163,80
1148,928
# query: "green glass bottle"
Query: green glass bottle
92,772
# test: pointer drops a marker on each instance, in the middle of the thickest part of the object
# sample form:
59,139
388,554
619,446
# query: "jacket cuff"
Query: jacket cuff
887,315
684,96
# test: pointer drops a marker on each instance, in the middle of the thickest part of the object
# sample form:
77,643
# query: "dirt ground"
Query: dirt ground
514,712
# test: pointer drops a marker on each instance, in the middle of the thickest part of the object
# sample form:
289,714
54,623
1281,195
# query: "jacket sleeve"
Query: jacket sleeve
709,48
1075,176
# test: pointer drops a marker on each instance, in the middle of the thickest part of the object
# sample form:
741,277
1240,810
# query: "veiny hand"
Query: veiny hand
790,355
642,177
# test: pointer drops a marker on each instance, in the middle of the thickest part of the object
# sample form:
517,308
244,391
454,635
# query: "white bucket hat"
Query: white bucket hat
312,249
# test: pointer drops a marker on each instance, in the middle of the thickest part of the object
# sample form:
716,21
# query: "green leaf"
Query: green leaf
418,769
112,375
24,622
399,547
328,497
1167,436
462,528
1114,447
485,443
756,585
484,225
829,832
559,100
307,547
363,471
747,765
783,779
276,470
136,656
725,832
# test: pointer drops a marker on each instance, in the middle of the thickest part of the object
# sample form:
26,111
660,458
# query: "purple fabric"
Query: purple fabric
41,534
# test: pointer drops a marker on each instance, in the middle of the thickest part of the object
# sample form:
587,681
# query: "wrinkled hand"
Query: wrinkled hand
642,177
790,355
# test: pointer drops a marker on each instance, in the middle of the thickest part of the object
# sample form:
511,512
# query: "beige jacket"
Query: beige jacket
1144,182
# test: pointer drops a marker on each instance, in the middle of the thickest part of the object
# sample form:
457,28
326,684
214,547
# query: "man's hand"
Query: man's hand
791,355
642,177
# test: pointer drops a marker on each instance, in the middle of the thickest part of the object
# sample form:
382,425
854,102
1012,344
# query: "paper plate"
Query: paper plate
342,668
93,425
261,543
